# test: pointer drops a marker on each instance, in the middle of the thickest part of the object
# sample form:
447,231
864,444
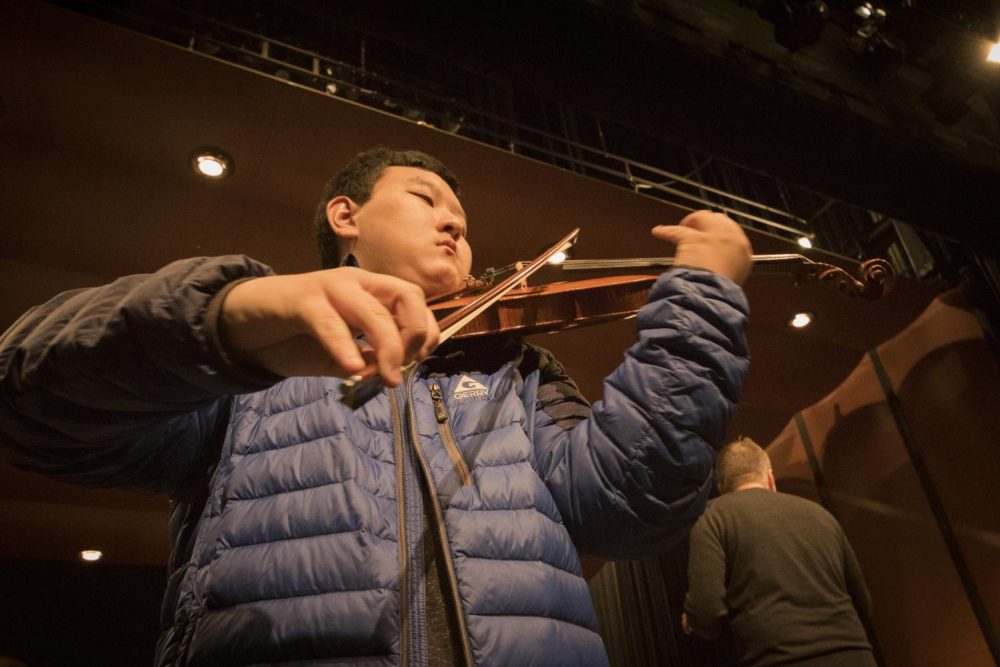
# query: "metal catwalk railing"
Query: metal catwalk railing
752,199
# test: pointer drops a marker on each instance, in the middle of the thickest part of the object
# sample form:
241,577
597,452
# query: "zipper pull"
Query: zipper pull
440,413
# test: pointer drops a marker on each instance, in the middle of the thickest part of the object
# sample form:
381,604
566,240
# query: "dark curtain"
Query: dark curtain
639,605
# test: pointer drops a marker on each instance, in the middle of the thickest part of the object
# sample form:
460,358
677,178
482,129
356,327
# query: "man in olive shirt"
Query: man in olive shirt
780,567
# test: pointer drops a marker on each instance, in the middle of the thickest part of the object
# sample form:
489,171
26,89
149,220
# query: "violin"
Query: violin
512,307
556,306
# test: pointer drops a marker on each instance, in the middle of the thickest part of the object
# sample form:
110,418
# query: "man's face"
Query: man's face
413,227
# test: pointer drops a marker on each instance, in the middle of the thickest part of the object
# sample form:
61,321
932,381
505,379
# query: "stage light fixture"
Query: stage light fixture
994,54
805,242
91,555
800,320
211,163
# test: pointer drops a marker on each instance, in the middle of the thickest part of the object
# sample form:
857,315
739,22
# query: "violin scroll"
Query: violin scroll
877,278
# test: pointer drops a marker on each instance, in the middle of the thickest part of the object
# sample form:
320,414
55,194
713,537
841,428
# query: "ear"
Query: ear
770,481
340,217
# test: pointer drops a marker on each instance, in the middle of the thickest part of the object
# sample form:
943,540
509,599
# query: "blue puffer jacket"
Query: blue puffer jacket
297,523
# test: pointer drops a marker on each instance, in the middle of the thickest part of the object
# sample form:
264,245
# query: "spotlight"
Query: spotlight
805,242
90,555
800,320
994,55
211,163
878,52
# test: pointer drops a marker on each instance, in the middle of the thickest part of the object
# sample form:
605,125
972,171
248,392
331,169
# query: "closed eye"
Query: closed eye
426,198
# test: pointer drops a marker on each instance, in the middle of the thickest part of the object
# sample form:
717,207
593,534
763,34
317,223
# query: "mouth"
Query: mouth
450,245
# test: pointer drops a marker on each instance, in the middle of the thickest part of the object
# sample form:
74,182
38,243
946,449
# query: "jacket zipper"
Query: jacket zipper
404,578
438,516
444,427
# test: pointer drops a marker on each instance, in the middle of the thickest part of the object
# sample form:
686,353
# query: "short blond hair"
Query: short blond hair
740,462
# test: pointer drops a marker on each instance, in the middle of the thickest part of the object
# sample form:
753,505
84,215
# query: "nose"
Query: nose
451,225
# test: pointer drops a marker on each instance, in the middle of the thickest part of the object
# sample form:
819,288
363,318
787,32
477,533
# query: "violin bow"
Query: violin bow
357,390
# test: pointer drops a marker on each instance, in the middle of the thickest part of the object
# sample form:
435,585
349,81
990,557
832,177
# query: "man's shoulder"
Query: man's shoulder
727,504
807,504
805,511
747,498
764,510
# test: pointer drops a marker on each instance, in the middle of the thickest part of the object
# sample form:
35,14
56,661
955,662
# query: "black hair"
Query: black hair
356,181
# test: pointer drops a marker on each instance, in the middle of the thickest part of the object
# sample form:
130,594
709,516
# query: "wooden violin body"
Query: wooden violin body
555,306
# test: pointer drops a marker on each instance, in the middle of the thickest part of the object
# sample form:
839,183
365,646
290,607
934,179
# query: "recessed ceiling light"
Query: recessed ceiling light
805,242
800,320
91,555
211,163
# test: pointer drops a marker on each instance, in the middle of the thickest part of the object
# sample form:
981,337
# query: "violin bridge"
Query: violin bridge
524,283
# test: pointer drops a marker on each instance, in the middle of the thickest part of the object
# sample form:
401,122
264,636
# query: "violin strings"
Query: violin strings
768,261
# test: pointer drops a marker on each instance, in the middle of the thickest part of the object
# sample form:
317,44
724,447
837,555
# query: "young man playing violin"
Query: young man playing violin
440,522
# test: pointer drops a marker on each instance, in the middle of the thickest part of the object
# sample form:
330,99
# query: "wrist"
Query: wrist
230,357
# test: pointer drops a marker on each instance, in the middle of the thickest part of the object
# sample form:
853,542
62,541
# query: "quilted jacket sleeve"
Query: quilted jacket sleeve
120,384
632,474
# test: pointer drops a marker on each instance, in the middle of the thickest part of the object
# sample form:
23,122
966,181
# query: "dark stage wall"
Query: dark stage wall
905,454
